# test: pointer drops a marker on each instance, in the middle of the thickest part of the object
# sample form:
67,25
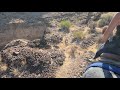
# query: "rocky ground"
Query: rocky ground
58,54
20,59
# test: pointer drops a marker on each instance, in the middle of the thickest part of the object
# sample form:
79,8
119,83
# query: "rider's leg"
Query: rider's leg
97,72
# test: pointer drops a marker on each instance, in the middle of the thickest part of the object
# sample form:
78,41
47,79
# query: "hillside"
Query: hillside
49,44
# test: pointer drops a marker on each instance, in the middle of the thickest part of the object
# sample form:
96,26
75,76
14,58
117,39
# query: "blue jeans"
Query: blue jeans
101,72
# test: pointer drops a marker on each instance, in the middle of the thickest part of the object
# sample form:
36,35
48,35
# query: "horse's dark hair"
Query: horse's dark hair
118,31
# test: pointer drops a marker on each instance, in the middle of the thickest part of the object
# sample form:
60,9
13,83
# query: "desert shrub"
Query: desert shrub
105,19
81,33
78,34
65,24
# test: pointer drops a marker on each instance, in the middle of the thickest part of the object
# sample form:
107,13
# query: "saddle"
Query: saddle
105,66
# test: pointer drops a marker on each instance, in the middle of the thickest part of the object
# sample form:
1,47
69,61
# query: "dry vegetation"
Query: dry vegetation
105,19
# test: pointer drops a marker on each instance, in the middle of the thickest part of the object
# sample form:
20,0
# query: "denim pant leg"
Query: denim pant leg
97,72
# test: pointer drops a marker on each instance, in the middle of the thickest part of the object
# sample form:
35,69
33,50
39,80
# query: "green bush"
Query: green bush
65,24
105,19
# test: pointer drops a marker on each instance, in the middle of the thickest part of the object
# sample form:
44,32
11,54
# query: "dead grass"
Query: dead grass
99,30
81,34
93,48
16,72
3,67
74,28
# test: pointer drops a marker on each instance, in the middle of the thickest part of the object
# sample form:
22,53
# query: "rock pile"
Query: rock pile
18,59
